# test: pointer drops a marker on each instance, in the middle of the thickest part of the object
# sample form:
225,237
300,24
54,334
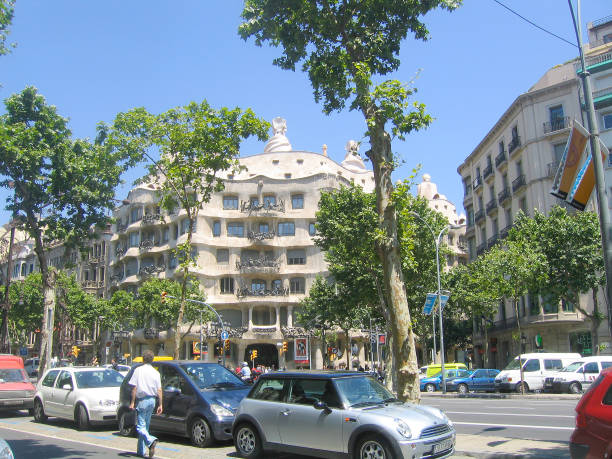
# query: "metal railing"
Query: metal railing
492,241
551,169
255,264
260,235
488,171
491,206
477,182
504,195
514,144
145,245
518,183
250,206
504,232
150,219
500,158
480,249
556,124
241,292
151,269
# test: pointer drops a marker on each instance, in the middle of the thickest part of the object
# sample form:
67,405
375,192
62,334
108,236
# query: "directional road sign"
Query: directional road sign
443,300
429,303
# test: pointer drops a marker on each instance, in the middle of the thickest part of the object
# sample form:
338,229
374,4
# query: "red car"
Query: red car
592,438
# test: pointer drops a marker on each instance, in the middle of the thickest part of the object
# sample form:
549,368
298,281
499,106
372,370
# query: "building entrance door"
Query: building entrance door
267,354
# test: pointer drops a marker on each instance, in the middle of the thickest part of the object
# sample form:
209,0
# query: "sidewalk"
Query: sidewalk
508,448
499,395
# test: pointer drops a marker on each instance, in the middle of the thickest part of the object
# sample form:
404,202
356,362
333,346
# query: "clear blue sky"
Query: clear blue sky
93,59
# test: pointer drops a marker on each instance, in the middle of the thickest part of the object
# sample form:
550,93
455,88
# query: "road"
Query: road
550,420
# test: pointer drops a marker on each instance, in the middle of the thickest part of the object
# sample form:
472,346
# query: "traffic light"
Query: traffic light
227,344
285,346
163,297
253,354
75,351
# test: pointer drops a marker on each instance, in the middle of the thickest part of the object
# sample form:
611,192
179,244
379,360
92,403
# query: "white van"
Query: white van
578,375
536,368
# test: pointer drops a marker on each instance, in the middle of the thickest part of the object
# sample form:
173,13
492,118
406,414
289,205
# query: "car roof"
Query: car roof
314,374
78,368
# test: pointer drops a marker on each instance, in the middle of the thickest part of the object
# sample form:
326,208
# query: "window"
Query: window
64,378
230,202
501,146
216,228
264,227
558,150
523,205
297,201
296,257
534,305
287,175
50,378
286,229
531,365
297,285
548,305
567,305
309,391
607,121
134,239
235,229
222,256
165,234
591,367
227,285
276,285
269,201
135,214
269,389
258,285
254,201
515,133
312,229
172,262
556,117
553,364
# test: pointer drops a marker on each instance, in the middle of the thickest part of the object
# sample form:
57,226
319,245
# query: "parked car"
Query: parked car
5,450
333,414
578,375
16,390
87,395
431,370
123,369
481,379
537,366
199,401
31,366
592,437
433,383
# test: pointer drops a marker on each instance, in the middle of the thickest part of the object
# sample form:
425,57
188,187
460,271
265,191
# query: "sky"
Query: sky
94,59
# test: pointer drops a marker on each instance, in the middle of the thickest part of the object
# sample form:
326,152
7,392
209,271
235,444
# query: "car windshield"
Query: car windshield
363,391
573,366
207,376
12,375
513,365
98,378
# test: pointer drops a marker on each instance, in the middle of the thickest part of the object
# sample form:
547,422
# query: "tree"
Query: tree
62,187
196,144
515,269
26,313
571,244
343,45
6,18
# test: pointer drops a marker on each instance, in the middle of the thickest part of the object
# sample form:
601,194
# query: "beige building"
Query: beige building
256,257
512,169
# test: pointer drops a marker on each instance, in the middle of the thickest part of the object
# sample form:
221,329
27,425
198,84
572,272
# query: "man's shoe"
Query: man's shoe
152,448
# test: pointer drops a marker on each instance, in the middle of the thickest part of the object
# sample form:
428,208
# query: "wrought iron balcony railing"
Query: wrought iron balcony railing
514,144
518,183
92,284
491,206
151,269
96,260
504,195
120,250
556,124
479,215
500,158
260,235
492,241
241,292
146,244
477,183
121,227
255,264
250,206
505,231
480,249
150,219
488,171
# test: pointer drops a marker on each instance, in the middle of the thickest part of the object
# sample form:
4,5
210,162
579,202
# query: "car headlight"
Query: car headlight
30,393
107,402
403,428
220,410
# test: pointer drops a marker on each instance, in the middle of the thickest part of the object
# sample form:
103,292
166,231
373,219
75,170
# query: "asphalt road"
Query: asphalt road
523,418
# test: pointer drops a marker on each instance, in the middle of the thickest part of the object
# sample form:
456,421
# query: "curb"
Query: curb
498,395
500,455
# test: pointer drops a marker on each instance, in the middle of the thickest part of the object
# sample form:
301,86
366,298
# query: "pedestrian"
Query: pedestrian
114,364
245,372
146,384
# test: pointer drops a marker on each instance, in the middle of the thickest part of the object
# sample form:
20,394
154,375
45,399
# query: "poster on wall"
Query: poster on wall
301,351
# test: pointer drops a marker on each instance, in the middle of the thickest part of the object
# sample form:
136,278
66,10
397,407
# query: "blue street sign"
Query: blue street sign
23,351
224,335
429,303
443,300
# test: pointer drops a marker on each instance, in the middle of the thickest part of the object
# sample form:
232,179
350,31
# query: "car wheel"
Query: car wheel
31,411
125,429
430,388
463,389
39,411
81,417
373,447
201,435
523,384
247,441
574,388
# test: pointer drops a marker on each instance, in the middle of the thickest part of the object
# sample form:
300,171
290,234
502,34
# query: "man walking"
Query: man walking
146,384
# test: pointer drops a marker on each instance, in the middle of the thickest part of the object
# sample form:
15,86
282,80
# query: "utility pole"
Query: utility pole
6,340
600,184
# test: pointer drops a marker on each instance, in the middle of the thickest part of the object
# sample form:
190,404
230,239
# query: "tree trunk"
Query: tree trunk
348,350
595,323
179,319
403,346
518,324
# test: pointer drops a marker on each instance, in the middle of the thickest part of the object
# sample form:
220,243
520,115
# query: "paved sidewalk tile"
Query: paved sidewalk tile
509,448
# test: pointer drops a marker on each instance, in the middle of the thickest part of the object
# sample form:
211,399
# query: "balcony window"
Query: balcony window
312,229
286,229
264,227
258,285
549,306
222,256
216,228
254,202
235,230
134,239
276,285
230,202
135,214
297,201
607,120
297,285
227,285
296,257
165,234
269,201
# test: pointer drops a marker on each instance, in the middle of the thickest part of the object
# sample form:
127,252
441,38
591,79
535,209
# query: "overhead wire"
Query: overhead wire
534,24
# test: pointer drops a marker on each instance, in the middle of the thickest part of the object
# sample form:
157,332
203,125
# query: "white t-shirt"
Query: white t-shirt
147,381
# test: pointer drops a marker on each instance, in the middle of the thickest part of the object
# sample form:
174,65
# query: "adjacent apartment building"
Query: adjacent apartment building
512,169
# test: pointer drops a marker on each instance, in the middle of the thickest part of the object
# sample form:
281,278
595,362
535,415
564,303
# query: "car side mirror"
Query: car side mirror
319,405
174,390
67,386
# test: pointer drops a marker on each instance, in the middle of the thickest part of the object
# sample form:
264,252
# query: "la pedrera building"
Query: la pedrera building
256,258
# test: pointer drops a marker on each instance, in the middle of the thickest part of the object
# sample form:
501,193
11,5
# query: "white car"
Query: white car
123,369
86,395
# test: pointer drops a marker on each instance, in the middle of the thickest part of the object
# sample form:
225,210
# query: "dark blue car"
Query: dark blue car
433,383
482,379
200,400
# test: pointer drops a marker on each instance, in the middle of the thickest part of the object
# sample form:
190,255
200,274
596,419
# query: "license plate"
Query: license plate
443,446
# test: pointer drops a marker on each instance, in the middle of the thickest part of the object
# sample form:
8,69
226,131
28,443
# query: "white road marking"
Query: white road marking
511,425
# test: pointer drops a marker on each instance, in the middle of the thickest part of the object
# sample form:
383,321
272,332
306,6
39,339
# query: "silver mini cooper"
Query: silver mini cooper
337,414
